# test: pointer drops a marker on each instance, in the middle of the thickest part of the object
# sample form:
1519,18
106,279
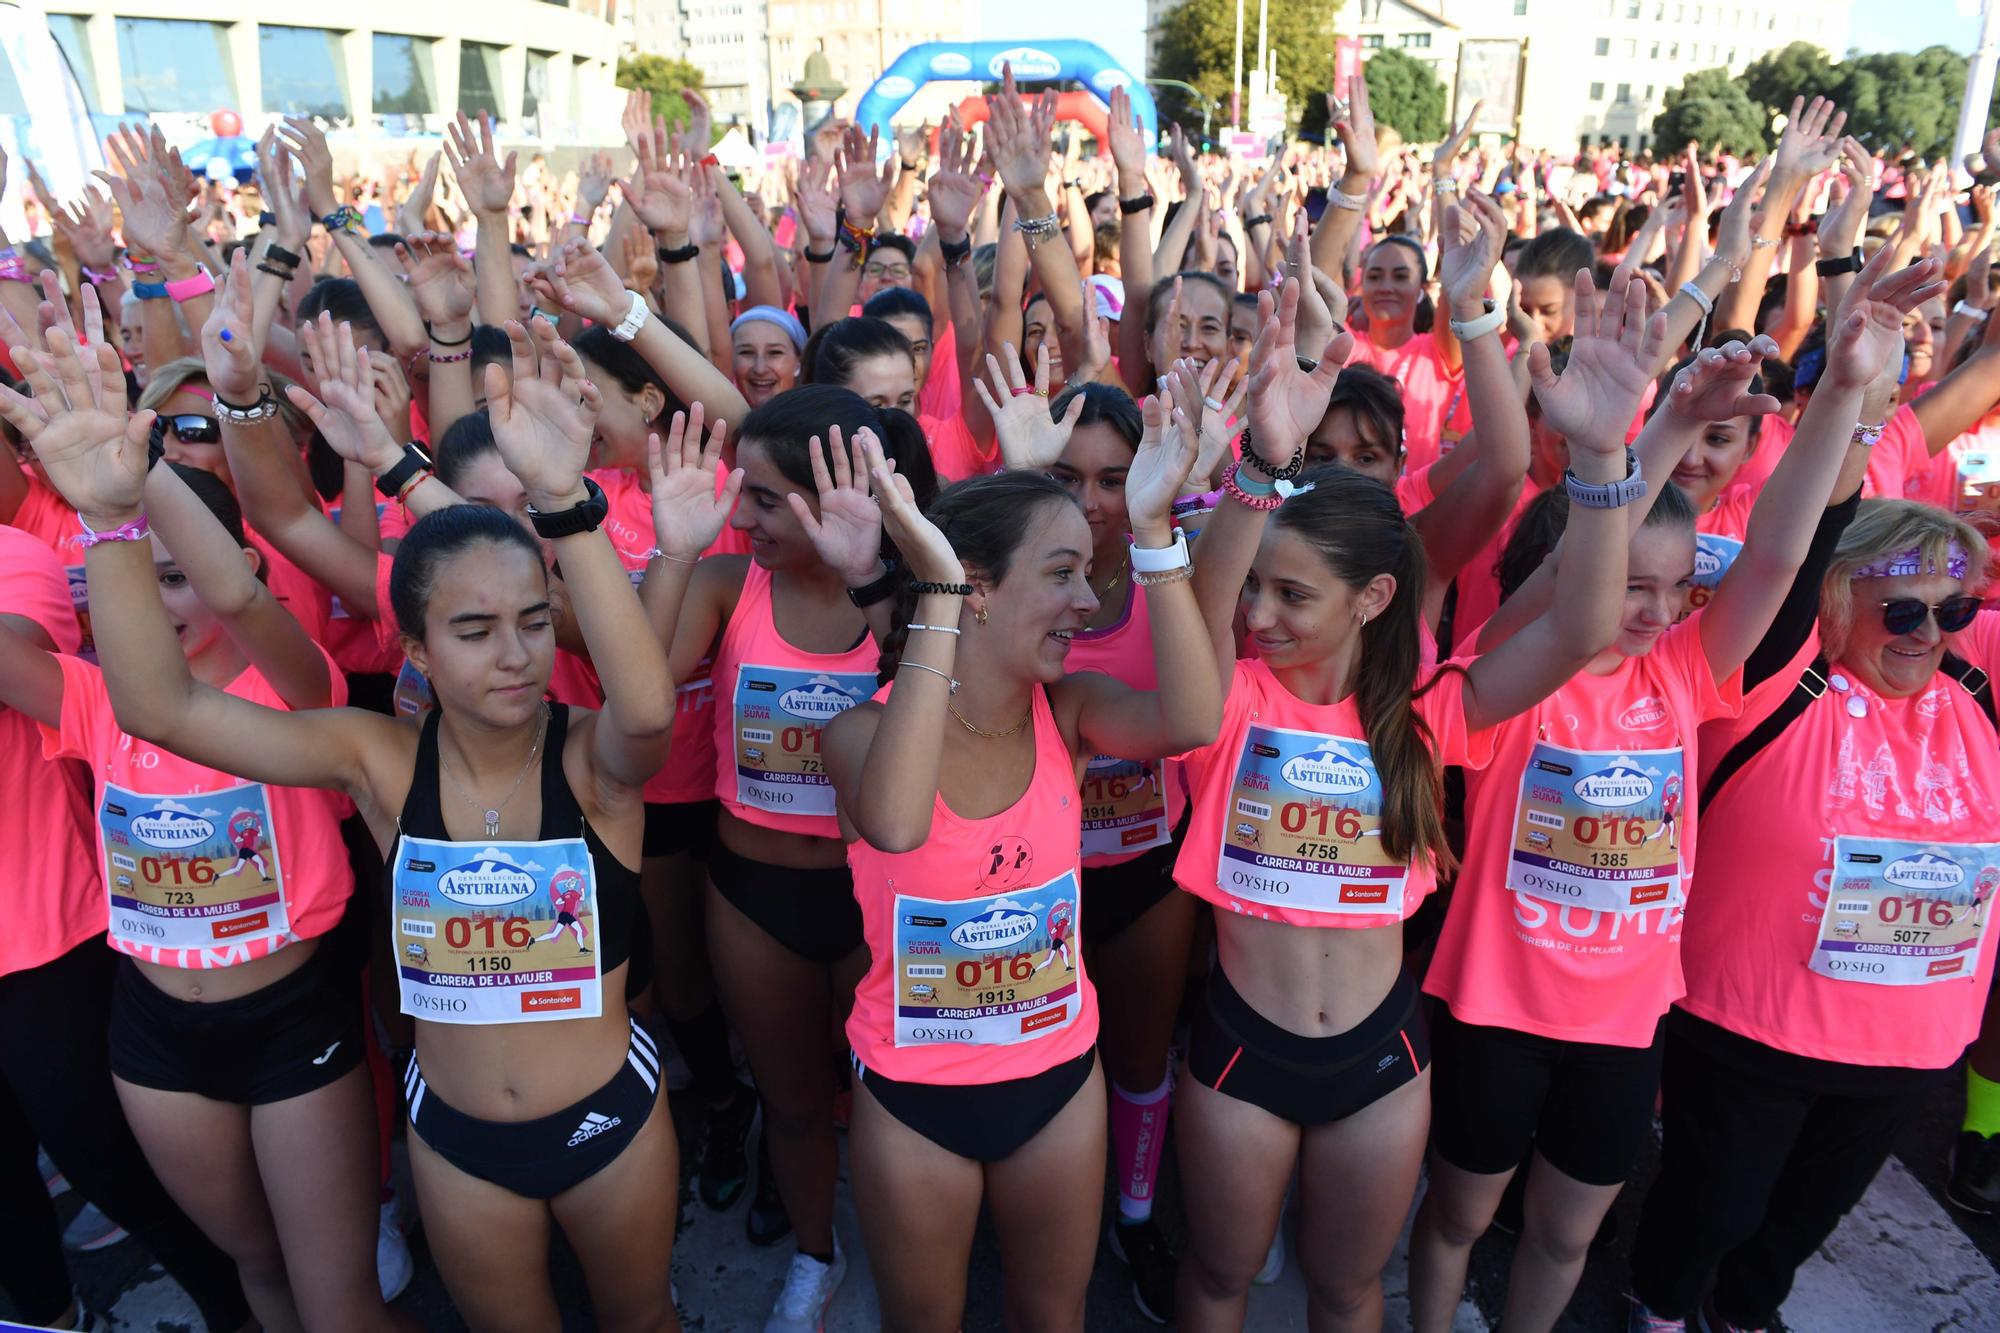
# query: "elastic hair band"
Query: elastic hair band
771,314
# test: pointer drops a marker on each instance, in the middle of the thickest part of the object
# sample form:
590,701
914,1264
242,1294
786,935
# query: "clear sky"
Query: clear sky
1911,25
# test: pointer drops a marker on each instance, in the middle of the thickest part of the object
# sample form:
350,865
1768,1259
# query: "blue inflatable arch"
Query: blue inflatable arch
934,62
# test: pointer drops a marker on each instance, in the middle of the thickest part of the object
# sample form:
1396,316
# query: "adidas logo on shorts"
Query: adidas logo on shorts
593,1125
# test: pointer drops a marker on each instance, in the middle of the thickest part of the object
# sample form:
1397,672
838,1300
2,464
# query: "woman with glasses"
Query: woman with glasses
1835,968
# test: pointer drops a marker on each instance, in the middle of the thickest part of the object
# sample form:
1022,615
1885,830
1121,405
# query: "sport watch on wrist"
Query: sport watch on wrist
583,516
414,460
1610,494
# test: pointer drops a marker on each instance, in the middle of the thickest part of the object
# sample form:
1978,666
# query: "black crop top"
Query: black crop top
618,903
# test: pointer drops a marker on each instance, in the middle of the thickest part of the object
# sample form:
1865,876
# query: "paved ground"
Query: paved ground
1900,1262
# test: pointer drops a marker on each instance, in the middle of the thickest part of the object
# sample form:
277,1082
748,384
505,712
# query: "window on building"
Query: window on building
1597,92
1632,9
1372,41
1624,92
1649,92
478,78
535,90
1674,51
405,75
1629,47
302,71
174,65
1656,51
1520,8
1604,46
1660,11
70,34
1417,40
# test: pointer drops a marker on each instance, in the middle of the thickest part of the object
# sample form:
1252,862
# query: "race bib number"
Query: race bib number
79,599
191,871
504,933
1124,806
412,693
1713,555
1906,913
1978,481
1599,829
779,717
992,971
1304,827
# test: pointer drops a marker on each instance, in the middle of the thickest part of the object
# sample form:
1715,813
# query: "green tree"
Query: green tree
1711,109
663,78
1405,95
1198,45
1898,98
1773,79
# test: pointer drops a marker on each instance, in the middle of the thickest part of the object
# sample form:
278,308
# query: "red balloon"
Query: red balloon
226,124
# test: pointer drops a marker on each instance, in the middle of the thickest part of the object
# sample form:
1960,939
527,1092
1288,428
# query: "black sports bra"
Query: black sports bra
618,903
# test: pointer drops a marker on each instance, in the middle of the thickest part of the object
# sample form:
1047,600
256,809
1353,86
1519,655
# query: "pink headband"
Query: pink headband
1912,561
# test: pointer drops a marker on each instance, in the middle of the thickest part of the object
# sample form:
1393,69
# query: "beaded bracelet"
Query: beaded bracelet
1178,574
448,358
940,629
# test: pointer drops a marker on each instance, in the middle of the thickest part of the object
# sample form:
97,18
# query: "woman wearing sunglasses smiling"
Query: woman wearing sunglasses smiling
1833,951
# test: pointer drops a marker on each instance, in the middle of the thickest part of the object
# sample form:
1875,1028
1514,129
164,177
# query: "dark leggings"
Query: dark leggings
1764,1153
55,1088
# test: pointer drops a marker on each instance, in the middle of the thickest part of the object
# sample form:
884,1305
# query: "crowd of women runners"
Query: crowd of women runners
1381,683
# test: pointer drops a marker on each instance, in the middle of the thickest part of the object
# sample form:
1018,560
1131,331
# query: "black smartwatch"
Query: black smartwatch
955,252
1139,204
679,256
392,482
1828,268
881,590
582,517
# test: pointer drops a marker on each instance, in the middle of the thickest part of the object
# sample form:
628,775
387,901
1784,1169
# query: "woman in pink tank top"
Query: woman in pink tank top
1317,825
795,628
974,1030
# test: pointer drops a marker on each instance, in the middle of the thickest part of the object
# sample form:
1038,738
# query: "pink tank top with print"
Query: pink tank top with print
1129,805
975,975
772,701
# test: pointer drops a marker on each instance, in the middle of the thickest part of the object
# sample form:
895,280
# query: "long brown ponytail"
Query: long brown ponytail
1358,528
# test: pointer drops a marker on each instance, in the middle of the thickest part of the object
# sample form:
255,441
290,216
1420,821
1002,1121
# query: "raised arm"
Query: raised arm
443,285
1962,397
1135,239
1473,507
1354,122
863,188
388,300
543,416
488,187
847,531
954,195
760,252
581,281
1866,333
885,759
1592,404
1184,711
97,456
692,500
1810,144
1018,137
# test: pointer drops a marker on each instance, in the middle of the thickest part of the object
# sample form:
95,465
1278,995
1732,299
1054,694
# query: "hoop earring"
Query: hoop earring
1363,615
979,615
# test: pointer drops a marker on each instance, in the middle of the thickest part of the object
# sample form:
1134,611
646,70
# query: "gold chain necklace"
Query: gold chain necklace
1105,592
991,735
492,813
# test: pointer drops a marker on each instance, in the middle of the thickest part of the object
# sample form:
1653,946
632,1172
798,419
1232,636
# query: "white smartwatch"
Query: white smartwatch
635,319
1162,559
1490,322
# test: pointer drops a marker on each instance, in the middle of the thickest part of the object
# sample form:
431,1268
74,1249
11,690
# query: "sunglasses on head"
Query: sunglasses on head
1902,615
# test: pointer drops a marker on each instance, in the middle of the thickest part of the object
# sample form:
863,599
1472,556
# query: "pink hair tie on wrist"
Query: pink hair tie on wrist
186,289
580,219
135,531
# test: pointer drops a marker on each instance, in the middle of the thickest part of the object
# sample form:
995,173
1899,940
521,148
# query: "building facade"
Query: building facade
374,68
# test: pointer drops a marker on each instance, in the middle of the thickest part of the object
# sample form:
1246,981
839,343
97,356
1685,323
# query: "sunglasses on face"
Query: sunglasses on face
1905,614
188,429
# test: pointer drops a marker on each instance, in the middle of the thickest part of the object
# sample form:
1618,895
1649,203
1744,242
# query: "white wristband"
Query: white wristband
1967,308
1699,297
635,319
1162,559
1466,330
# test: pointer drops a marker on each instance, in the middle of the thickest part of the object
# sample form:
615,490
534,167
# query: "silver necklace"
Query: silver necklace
492,813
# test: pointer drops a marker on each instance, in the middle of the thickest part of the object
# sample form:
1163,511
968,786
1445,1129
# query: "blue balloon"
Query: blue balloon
1033,62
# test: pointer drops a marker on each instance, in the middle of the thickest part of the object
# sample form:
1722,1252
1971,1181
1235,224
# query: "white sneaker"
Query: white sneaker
809,1289
1274,1258
393,1266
